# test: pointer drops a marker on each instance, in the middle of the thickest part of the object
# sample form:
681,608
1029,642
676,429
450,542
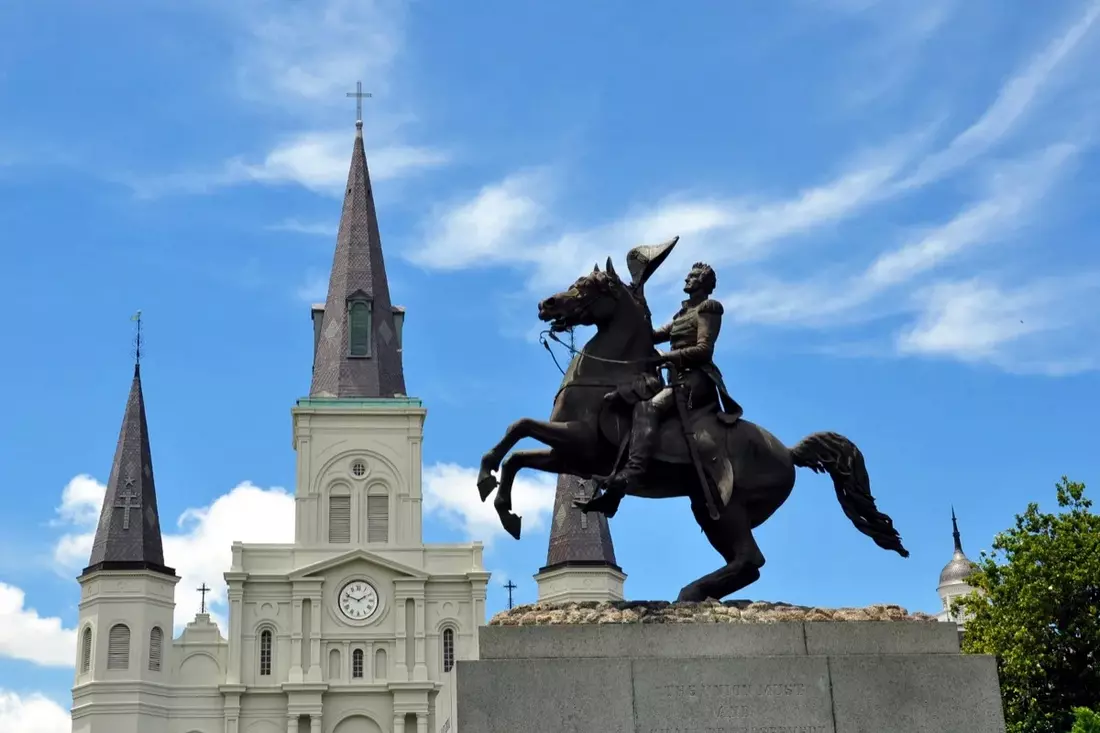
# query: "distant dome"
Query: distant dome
958,570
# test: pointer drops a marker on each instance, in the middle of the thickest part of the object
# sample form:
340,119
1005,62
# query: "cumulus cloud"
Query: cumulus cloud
200,547
24,634
32,713
450,492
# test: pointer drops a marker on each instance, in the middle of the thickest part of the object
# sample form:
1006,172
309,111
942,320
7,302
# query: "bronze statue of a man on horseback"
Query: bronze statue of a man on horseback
680,436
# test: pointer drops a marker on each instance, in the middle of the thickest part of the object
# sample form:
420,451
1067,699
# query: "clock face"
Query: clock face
358,600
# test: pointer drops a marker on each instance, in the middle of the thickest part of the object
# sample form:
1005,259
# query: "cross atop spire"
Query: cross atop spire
359,95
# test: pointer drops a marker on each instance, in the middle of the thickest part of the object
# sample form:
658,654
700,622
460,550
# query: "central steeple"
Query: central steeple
358,342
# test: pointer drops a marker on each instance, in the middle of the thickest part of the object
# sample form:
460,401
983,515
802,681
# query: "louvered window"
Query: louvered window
359,327
86,650
156,644
118,647
378,518
448,649
339,519
265,653
357,664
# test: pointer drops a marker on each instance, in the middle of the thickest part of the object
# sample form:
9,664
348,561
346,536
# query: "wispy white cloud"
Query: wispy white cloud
1016,98
313,229
1039,327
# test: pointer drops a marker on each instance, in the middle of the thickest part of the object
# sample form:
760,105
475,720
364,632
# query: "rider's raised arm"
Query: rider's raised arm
706,335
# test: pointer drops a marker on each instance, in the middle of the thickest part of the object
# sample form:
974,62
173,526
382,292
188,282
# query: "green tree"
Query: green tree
1085,722
1037,609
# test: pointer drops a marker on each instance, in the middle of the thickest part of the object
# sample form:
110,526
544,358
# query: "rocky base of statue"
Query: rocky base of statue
733,667
707,612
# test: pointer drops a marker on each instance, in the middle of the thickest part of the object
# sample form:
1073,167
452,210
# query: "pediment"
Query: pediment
356,555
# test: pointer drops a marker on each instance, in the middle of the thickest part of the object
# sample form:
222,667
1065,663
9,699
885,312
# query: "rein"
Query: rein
575,352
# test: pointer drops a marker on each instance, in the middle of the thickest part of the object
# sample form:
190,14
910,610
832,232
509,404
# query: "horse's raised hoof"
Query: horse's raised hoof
512,523
486,483
688,594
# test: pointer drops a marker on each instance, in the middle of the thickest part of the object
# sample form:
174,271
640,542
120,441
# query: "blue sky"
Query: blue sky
899,199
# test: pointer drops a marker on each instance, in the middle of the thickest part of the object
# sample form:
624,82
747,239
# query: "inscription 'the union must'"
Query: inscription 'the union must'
728,703
733,691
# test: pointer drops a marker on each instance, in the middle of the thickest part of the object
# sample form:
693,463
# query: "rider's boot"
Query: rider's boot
643,442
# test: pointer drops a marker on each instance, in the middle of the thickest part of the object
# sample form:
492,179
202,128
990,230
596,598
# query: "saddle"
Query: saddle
709,431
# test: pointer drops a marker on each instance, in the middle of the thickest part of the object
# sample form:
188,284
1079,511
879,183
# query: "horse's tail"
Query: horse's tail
841,459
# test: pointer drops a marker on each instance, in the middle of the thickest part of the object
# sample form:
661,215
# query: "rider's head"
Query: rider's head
700,280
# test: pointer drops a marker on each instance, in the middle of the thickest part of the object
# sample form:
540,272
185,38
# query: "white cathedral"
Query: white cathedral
353,628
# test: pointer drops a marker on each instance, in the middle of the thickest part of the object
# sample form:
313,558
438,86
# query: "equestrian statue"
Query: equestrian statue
681,436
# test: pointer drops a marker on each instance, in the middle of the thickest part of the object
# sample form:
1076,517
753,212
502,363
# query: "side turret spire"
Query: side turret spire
128,535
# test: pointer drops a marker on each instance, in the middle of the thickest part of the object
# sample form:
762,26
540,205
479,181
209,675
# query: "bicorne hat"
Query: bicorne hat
643,261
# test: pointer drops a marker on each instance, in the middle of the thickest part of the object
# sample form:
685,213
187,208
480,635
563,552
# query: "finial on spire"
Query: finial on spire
955,531
137,340
359,95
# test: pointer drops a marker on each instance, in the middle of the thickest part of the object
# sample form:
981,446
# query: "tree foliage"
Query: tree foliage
1037,609
1085,721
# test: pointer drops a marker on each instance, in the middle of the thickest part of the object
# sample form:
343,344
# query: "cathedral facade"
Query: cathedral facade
356,626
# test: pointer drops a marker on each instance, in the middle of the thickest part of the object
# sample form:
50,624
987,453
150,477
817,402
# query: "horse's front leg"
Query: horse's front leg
562,436
540,459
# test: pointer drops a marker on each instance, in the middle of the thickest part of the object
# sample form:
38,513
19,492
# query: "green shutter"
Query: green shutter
359,328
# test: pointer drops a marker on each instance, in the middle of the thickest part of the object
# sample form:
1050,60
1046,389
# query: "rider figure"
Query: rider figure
692,334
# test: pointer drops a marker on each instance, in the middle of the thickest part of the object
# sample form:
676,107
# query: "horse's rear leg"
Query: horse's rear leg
540,459
731,535
564,436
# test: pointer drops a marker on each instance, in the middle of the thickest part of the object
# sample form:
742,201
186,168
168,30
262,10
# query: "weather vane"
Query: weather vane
359,95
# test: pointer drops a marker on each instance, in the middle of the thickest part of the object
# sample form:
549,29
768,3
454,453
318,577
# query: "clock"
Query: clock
358,600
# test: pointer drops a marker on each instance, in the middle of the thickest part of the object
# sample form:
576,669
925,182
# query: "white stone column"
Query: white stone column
291,724
236,615
296,641
315,639
398,723
420,671
421,723
368,663
315,723
345,672
400,669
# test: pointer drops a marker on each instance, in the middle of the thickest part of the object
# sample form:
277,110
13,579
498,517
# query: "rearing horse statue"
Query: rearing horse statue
750,473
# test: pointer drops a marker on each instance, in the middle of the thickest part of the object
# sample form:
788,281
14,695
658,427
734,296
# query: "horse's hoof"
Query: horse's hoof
691,595
606,504
512,523
486,483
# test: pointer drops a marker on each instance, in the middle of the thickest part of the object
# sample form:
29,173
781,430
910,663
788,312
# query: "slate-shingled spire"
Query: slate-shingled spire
373,367
576,538
128,535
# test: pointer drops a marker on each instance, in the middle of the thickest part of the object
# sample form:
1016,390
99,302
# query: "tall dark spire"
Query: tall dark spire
128,535
955,532
358,351
577,538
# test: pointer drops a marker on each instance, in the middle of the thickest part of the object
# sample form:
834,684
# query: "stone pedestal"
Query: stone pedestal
713,668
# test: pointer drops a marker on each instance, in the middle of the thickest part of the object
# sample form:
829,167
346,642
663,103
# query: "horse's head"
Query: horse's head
593,300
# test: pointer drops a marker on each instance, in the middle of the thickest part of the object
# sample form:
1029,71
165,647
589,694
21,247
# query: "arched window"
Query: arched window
380,671
378,518
339,518
448,649
156,643
357,664
265,653
334,664
359,327
118,647
86,650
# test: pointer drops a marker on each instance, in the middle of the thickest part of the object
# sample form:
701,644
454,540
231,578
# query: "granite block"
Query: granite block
781,694
928,693
641,640
881,637
560,695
